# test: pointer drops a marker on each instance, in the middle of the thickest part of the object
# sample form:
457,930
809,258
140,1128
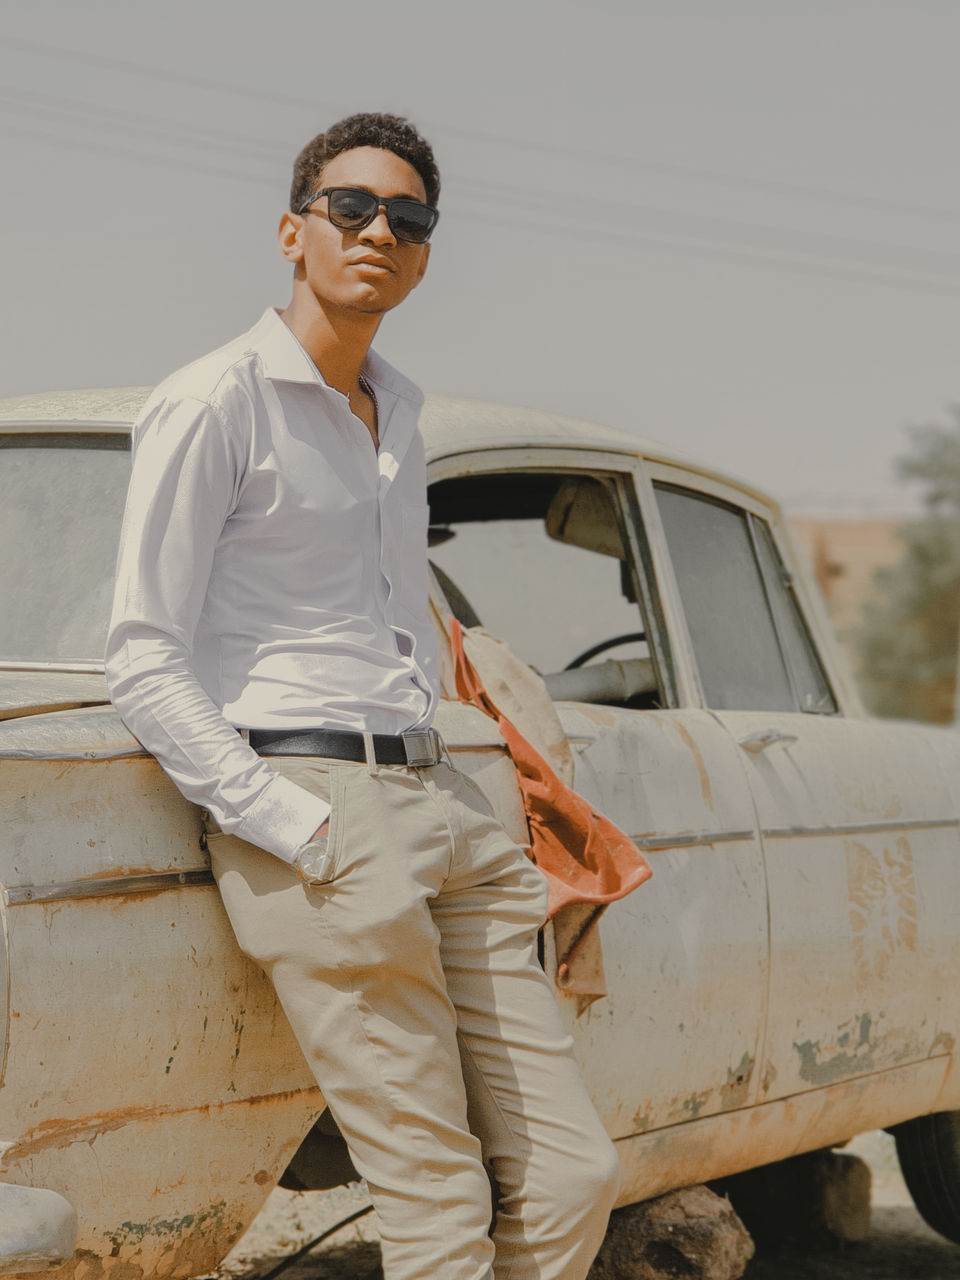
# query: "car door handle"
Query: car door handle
763,738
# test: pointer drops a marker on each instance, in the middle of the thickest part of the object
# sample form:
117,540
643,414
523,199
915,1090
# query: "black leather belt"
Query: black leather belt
417,747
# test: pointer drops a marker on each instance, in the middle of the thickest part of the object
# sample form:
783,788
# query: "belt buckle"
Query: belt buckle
422,747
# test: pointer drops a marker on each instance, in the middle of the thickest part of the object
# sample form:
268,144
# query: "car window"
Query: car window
810,681
541,561
751,645
61,503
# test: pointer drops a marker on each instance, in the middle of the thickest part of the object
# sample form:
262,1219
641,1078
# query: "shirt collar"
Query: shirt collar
283,359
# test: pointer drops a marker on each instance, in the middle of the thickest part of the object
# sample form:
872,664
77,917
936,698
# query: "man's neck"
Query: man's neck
337,346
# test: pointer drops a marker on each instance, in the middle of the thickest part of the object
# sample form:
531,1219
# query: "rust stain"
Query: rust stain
117,871
736,1091
882,894
189,1245
262,1177
42,708
597,714
899,863
944,1042
641,1121
769,1077
705,789
63,1133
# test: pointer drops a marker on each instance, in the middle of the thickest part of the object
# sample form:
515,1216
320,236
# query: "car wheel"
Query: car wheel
928,1149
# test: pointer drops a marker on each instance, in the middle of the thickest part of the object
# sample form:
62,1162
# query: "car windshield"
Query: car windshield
61,502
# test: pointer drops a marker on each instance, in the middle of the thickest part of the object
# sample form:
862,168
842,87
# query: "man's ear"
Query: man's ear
289,236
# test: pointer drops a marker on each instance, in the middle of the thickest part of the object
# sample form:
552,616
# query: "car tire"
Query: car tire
928,1149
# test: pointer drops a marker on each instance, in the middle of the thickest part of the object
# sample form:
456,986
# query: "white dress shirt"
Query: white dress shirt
272,575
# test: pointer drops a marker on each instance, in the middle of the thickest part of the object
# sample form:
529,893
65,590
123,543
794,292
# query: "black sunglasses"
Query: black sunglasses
352,208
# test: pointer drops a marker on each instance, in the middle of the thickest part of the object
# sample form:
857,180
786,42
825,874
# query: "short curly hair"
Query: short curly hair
367,129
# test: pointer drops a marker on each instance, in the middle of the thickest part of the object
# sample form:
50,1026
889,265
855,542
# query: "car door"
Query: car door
854,814
545,548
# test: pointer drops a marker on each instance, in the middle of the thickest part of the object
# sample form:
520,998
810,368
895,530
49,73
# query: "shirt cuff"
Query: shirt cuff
283,818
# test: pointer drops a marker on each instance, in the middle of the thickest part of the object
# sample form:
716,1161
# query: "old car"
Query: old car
784,981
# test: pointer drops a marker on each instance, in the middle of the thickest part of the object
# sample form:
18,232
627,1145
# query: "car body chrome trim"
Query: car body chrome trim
691,840
31,668
860,828
121,886
107,887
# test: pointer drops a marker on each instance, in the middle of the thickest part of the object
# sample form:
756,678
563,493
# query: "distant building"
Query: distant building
845,549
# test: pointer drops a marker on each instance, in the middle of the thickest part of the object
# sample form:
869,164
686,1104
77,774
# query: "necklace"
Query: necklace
365,386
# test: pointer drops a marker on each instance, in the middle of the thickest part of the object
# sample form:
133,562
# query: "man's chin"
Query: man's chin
372,305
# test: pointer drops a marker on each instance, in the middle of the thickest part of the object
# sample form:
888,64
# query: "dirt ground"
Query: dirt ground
900,1245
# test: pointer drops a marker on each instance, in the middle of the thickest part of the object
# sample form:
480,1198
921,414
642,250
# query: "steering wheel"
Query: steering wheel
602,646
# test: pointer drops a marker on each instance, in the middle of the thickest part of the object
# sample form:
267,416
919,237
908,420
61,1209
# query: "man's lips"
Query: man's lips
372,261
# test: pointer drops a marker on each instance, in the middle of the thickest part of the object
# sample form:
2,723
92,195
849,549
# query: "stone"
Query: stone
693,1234
820,1198
38,1228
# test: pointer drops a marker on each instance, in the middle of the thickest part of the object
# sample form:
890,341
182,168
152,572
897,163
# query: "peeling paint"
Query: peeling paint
194,1243
134,1232
737,1089
851,1054
705,789
692,1106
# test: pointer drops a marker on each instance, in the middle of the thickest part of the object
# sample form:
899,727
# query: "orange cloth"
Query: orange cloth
585,857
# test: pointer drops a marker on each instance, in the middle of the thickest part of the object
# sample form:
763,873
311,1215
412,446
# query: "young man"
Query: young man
270,645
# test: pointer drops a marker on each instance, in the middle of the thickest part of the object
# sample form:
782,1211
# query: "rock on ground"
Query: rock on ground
820,1198
692,1234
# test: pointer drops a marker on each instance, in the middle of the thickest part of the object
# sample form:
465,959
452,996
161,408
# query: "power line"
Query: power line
575,232
179,132
129,153
158,73
714,177
686,248
675,225
749,235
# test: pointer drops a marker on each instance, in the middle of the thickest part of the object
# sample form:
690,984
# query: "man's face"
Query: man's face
368,270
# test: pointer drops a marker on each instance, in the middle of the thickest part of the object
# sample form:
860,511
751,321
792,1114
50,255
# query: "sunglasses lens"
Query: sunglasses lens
349,208
411,220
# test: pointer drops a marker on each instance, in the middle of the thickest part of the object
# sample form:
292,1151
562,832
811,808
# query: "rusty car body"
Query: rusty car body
784,982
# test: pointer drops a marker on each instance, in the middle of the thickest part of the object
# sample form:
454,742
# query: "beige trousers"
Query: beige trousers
412,983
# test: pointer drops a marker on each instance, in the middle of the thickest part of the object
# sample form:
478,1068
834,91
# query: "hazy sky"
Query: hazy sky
728,224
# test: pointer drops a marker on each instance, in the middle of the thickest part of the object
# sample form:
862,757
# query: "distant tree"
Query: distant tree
908,639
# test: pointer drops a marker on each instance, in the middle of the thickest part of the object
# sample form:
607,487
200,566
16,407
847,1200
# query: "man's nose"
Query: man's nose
378,231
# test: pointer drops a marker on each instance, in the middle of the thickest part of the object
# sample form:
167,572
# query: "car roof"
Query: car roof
449,425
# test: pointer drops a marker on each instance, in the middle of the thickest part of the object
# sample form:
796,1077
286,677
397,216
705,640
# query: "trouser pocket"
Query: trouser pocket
321,777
